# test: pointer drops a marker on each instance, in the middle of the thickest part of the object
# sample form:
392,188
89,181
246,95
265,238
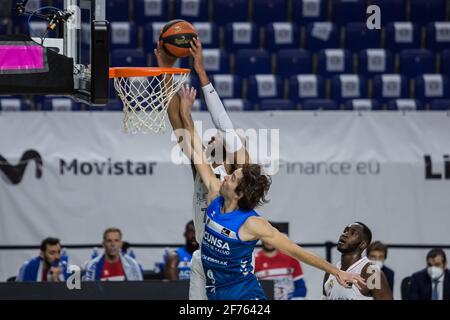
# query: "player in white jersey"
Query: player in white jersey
226,142
352,243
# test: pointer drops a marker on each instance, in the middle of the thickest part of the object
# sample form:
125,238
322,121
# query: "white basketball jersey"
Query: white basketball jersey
334,291
200,201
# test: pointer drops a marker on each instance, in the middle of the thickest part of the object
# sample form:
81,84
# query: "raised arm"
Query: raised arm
165,61
192,145
259,228
219,115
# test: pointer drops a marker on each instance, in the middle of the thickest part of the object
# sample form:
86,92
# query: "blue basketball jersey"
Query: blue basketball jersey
227,261
184,263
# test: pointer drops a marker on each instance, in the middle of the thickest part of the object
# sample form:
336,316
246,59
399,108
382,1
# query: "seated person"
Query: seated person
47,267
113,265
377,253
433,282
126,249
287,273
178,265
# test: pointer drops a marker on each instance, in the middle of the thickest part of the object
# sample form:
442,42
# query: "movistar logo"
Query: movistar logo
13,174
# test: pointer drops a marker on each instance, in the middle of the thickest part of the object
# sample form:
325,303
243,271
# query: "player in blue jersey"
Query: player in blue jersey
178,266
226,144
233,227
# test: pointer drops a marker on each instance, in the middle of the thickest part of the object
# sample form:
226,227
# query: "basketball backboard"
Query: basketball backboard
82,34
86,40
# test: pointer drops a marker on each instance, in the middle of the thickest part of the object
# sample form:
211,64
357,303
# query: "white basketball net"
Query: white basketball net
146,99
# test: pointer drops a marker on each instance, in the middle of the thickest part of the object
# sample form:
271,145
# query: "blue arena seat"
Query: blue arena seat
373,61
237,105
117,10
228,86
241,35
334,61
322,35
123,35
387,87
424,11
151,35
306,87
226,11
431,86
320,104
347,87
345,11
359,37
58,3
191,10
362,105
265,11
293,61
402,35
405,105
128,58
146,11
417,61
282,35
13,103
440,105
208,34
276,104
264,86
438,36
216,61
307,11
36,29
60,104
249,62
391,10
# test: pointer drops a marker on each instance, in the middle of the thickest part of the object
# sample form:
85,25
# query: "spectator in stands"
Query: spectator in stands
377,253
48,266
178,265
113,265
287,273
433,282
126,249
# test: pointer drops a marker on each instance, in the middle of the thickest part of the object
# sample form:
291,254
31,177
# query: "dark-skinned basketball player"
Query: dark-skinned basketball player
355,238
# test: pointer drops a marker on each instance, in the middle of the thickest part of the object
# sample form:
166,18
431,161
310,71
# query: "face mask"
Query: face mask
378,263
435,272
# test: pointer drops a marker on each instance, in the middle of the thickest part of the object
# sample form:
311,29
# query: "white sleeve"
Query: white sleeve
221,119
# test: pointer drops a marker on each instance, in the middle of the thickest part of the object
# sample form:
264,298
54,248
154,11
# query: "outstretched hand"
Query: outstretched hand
187,97
346,279
162,58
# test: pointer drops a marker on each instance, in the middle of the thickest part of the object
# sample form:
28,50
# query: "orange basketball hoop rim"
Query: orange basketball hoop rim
128,72
145,93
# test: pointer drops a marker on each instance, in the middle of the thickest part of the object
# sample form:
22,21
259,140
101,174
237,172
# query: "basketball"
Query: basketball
176,36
